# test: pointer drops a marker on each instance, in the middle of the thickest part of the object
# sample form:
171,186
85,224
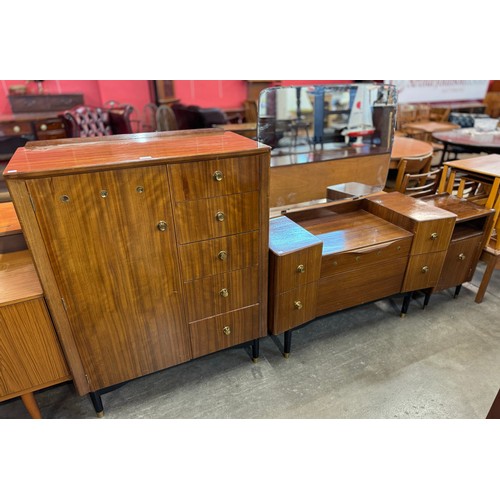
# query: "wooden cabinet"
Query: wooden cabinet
30,354
152,250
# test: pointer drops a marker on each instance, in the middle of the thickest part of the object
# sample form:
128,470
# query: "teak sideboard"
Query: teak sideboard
152,249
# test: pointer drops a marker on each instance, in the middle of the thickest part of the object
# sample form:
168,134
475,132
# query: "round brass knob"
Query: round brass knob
104,193
226,330
434,236
224,292
461,256
222,255
425,269
140,189
64,198
162,226
298,304
43,127
220,216
301,268
218,176
358,258
16,129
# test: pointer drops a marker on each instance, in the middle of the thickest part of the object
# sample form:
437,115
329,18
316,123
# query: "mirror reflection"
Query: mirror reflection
305,124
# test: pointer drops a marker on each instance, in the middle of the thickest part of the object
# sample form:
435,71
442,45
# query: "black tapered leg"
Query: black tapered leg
406,304
426,300
288,343
97,402
457,291
255,350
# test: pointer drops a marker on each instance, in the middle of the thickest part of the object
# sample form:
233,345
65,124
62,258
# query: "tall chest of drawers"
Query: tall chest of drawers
152,249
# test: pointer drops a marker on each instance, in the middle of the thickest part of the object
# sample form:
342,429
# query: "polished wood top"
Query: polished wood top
18,278
404,147
461,207
487,165
287,236
127,151
470,137
431,127
9,223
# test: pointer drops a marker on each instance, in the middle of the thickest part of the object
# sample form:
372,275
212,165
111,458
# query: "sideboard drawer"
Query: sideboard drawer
423,271
432,236
346,261
224,330
217,217
220,255
222,293
208,179
294,269
15,128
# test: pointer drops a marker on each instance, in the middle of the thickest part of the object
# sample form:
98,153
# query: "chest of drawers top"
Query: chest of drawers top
131,150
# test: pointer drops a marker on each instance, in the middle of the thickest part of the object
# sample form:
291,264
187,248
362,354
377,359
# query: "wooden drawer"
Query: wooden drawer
50,129
217,217
346,261
208,179
222,293
423,271
368,283
432,236
220,255
15,128
224,330
460,263
293,308
294,269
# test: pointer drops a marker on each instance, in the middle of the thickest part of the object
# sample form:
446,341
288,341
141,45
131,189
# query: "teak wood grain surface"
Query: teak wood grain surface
118,247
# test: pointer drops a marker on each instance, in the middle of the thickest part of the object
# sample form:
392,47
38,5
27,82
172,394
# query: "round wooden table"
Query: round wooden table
470,140
404,147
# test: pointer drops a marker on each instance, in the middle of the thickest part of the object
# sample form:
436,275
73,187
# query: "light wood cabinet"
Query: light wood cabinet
152,250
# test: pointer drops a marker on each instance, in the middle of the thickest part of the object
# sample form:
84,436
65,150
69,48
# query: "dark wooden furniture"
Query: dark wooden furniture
33,103
30,354
469,141
41,126
152,249
333,256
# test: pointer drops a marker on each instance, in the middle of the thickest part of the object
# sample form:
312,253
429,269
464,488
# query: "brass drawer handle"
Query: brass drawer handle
224,292
298,304
301,268
218,176
226,330
162,225
43,127
222,255
220,216
425,269
434,236
461,256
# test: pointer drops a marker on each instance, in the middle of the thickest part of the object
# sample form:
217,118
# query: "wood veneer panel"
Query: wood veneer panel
416,278
109,257
30,355
197,220
204,298
208,335
203,258
199,180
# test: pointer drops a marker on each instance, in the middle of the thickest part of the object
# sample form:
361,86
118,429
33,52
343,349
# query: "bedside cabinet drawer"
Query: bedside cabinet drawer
293,308
460,263
222,293
220,255
208,179
423,271
294,269
216,217
50,129
432,236
346,261
224,330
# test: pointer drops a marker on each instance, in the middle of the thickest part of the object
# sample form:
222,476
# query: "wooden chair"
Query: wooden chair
419,165
439,114
417,185
250,108
165,119
148,123
491,257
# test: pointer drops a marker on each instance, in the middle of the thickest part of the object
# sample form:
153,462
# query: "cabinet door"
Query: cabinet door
117,272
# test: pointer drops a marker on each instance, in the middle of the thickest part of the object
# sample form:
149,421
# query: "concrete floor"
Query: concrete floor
363,363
